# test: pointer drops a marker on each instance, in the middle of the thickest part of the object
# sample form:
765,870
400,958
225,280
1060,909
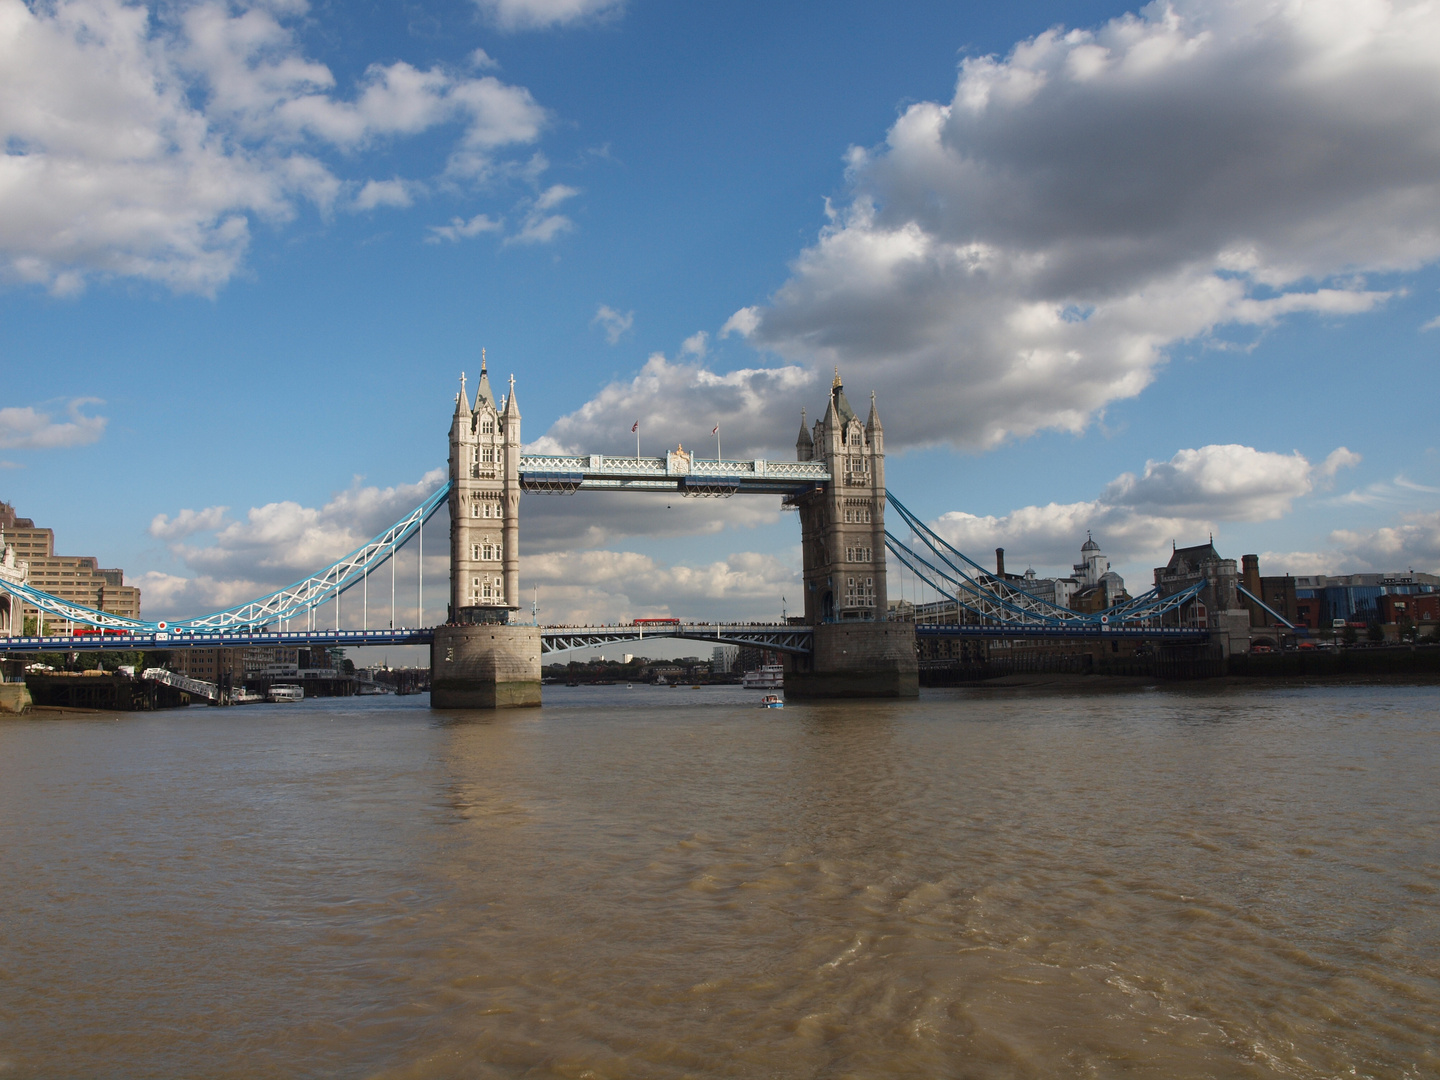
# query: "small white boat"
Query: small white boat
285,692
772,701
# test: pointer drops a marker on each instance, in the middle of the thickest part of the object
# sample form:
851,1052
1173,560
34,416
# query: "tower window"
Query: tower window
487,426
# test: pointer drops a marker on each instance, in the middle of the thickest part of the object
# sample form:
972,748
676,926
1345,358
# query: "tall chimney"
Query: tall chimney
1000,563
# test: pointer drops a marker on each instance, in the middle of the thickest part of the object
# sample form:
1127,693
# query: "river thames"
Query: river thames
1200,881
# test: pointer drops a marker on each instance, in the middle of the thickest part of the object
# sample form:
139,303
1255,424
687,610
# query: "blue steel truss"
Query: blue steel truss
1003,605
300,598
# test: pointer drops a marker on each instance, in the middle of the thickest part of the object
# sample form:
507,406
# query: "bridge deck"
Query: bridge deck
1063,633
229,639
780,637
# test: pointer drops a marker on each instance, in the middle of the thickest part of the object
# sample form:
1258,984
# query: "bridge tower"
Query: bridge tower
484,505
842,537
478,660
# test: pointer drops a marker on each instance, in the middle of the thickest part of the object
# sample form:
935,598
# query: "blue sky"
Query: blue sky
1154,273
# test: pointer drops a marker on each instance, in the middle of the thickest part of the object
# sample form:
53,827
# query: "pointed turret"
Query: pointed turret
872,423
462,400
838,400
511,409
804,445
482,388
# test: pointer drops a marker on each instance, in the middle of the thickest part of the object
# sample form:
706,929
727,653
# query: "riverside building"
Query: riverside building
77,578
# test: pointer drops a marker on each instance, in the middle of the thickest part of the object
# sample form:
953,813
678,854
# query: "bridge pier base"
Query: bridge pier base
493,666
859,659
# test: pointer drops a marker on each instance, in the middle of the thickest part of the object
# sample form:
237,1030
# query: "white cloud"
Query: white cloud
1340,458
275,544
743,322
28,428
555,523
538,14
614,324
681,402
696,345
540,226
460,229
1433,324
1413,543
1136,516
184,523
376,193
605,586
1016,258
142,145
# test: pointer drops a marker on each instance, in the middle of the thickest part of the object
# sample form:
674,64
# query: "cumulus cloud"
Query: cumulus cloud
538,14
164,527
28,428
1413,543
275,544
142,144
588,519
1017,257
605,586
1137,515
696,345
1433,324
681,402
614,324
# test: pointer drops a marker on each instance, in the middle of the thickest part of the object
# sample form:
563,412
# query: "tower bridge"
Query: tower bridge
843,645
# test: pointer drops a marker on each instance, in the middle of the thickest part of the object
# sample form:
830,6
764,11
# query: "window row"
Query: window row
857,515
860,593
485,552
484,588
480,509
857,554
487,455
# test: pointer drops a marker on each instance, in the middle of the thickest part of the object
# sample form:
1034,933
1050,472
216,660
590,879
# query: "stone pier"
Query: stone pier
485,666
857,660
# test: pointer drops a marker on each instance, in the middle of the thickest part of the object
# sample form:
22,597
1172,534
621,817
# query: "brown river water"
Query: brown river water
1192,882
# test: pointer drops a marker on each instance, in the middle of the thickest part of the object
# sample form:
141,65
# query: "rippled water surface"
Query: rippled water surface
674,883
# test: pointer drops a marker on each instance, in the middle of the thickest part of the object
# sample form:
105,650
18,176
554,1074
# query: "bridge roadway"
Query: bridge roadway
779,637
1176,634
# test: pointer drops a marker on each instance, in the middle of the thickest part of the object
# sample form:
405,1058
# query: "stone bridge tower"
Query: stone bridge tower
842,529
857,651
484,505
478,660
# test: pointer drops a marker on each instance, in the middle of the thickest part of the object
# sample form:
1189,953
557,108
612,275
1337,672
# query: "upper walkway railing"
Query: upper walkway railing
679,471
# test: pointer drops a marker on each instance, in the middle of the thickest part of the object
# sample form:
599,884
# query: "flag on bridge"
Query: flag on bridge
635,426
716,430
